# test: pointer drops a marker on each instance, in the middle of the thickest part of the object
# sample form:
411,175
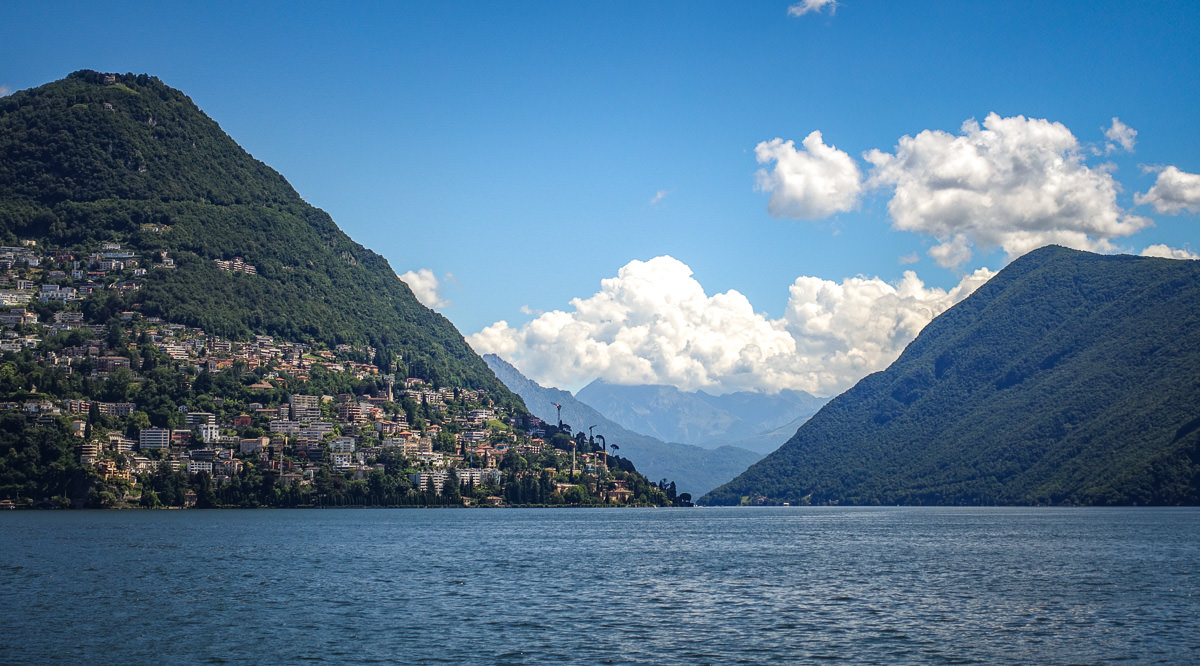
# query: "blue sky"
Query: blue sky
604,177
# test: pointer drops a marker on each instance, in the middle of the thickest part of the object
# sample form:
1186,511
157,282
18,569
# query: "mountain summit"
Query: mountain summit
124,159
1069,378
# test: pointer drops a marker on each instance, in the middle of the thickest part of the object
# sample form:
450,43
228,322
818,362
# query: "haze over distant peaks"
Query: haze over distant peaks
667,413
694,469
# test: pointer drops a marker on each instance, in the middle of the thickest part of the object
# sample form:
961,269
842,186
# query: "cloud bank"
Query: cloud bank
1167,252
426,287
1174,192
1011,183
1014,183
654,324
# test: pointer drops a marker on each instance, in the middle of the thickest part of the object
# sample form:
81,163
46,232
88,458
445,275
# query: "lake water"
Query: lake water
660,586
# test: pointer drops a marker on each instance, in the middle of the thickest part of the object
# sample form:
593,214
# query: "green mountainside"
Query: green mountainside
178,328
125,159
1069,378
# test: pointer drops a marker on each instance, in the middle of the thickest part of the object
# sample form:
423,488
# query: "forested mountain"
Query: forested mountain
124,159
744,419
694,469
769,440
1069,378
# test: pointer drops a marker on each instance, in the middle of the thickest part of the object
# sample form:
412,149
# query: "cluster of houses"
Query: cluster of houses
301,435
345,433
28,273
463,433
236,265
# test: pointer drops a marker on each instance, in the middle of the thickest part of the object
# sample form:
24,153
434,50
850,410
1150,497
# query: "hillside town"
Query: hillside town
168,415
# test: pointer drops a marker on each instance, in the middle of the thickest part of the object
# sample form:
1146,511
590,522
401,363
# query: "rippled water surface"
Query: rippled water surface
688,586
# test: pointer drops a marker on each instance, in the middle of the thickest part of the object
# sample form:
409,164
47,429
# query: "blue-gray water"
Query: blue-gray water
687,586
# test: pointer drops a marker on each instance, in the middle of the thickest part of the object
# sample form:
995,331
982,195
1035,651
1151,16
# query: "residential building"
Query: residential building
350,412
254,445
341,461
197,466
194,419
209,432
107,364
121,409
305,407
342,445
154,438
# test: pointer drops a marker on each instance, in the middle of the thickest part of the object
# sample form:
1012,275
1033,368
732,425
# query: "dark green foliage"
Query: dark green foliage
155,174
1070,378
38,463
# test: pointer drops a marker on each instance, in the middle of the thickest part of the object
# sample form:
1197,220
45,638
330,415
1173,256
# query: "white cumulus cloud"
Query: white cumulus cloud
1173,192
815,6
5,91
1120,135
1167,252
1014,183
815,181
426,287
654,324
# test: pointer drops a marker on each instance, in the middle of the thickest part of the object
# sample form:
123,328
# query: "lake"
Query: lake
674,586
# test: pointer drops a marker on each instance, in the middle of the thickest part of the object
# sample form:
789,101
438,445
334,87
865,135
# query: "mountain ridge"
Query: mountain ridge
1069,378
125,158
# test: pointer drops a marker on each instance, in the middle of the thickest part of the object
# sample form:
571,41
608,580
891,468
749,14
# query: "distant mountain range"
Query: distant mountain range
1069,378
759,422
694,469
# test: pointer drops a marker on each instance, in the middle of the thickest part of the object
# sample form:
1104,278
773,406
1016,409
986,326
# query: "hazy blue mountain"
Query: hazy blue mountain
757,421
694,469
769,440
1069,378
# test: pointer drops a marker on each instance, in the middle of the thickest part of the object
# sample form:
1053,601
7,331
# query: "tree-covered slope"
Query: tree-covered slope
694,469
1069,378
123,158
